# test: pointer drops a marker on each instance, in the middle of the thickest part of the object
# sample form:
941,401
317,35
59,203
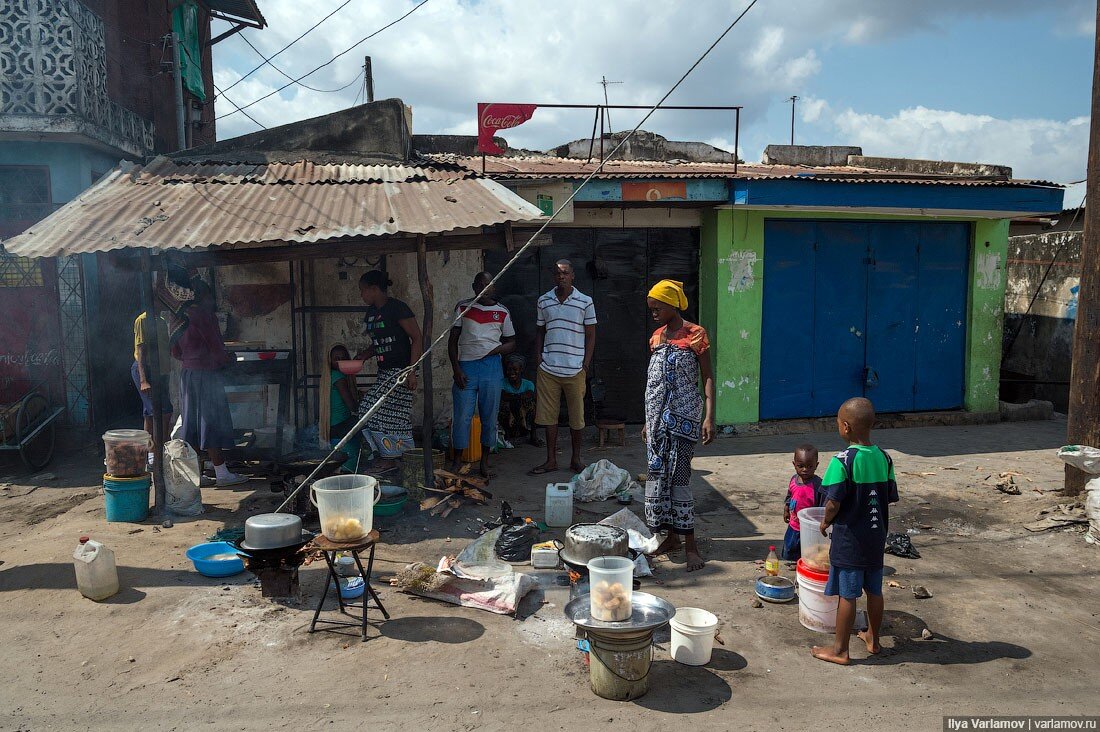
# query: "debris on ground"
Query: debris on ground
756,602
1005,482
1057,517
921,592
926,634
895,585
454,488
500,595
900,545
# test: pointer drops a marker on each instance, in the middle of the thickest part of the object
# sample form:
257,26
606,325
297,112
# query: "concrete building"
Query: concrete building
828,276
85,85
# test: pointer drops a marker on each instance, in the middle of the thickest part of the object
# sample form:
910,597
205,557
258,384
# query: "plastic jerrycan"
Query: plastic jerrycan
96,574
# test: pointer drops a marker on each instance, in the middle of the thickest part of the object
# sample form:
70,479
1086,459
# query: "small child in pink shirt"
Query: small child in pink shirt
803,491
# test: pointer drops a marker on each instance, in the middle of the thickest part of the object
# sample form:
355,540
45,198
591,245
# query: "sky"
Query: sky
995,81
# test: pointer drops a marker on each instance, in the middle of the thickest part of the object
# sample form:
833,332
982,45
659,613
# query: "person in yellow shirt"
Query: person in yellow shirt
143,375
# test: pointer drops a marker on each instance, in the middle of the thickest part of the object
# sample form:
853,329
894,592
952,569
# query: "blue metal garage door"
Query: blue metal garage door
863,308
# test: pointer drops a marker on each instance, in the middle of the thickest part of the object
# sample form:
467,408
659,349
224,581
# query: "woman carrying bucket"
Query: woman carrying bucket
677,417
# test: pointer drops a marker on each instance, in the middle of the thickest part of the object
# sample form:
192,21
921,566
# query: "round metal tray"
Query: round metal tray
649,612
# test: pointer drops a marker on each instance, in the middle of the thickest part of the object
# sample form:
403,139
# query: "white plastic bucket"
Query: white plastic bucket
345,504
693,632
611,580
816,611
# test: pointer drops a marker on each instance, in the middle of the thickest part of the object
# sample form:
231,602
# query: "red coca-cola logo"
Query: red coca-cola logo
502,122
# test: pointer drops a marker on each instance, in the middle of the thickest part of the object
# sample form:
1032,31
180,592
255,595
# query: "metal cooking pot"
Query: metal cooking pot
272,531
588,541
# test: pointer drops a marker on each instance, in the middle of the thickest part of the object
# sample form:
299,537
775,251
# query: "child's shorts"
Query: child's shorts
792,545
850,583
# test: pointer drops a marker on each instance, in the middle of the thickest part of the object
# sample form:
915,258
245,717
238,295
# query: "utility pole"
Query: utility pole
368,79
177,83
1084,389
605,82
792,100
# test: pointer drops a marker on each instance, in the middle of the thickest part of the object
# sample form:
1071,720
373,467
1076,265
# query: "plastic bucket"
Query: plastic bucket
815,547
345,505
612,588
412,470
816,611
619,663
127,499
692,636
127,453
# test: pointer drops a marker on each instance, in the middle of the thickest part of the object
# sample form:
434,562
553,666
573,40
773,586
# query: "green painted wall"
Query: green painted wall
732,291
985,324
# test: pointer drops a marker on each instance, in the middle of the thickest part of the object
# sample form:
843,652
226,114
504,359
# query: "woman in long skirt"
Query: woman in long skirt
397,343
677,417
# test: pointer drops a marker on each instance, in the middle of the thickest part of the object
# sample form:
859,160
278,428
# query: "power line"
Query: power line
221,93
306,33
292,80
400,382
326,63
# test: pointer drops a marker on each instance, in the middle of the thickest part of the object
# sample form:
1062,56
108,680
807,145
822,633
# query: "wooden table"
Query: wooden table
329,549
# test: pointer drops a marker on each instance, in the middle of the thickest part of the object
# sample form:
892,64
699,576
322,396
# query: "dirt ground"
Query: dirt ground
1014,614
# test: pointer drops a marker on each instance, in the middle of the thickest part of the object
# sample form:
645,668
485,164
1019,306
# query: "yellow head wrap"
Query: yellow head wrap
670,292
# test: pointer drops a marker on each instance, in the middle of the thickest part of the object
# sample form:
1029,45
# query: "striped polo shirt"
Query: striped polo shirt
563,345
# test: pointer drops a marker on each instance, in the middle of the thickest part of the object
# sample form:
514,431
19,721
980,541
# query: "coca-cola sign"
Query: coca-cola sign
494,117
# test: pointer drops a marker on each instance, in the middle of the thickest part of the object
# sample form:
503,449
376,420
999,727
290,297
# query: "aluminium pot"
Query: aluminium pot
272,531
588,541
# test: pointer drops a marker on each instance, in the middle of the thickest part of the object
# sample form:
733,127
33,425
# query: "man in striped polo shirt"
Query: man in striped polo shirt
564,346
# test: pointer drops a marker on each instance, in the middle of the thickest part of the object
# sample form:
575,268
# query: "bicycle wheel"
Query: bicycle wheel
37,451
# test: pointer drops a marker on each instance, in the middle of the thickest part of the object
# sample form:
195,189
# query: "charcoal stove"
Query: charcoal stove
277,569
291,472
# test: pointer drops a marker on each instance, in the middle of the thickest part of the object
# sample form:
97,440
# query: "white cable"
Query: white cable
458,318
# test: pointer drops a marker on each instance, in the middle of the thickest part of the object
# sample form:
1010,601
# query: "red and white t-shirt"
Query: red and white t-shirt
483,328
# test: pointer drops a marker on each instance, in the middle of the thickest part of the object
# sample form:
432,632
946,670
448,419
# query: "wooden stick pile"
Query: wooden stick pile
455,491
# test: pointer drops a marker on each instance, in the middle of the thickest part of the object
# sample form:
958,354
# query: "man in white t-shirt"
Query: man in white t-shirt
485,333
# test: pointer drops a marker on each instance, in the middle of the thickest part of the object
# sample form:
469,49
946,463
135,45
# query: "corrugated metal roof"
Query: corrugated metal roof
536,167
166,205
245,9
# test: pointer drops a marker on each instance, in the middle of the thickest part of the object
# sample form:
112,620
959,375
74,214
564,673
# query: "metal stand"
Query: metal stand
329,549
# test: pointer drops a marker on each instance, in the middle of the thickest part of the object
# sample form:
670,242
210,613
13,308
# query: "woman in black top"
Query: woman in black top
396,341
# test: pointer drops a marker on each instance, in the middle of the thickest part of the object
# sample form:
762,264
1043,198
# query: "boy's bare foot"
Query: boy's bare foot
485,473
694,561
826,653
873,646
669,545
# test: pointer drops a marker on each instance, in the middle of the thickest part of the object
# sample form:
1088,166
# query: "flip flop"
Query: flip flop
542,471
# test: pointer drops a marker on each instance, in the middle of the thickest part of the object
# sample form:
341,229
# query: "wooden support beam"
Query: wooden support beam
281,251
426,369
156,368
231,32
1084,390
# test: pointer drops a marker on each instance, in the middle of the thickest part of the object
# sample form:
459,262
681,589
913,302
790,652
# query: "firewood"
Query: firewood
431,502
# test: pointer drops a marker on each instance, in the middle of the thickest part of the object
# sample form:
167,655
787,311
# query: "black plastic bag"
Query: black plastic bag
516,537
901,546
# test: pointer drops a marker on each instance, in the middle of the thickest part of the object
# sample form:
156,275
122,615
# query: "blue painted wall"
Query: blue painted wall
71,164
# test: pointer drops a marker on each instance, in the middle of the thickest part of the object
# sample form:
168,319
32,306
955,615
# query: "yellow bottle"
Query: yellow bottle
771,564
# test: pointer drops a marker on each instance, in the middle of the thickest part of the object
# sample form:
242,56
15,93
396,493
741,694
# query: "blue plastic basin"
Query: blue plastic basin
200,556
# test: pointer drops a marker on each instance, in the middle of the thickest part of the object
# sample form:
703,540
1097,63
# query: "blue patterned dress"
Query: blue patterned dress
674,418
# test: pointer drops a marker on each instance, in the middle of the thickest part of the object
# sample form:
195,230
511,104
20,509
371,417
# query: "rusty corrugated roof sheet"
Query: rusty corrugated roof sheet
172,205
536,167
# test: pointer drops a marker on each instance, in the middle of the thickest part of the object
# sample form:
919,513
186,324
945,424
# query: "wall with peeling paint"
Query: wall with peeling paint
731,301
986,321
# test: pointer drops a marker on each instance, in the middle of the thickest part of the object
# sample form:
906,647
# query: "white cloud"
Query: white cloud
810,109
1035,148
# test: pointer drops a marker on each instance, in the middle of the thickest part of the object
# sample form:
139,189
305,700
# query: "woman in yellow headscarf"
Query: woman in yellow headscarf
677,417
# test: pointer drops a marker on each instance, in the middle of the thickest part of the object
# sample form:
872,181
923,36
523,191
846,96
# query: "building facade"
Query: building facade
86,84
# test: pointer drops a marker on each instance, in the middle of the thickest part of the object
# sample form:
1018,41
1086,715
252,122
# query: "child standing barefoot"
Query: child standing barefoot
802,492
859,485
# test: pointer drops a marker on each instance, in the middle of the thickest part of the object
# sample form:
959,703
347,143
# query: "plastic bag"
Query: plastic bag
641,538
1081,457
182,479
515,542
900,545
500,595
599,481
1092,510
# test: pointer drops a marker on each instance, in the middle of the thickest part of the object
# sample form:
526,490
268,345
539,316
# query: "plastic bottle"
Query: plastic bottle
771,564
96,574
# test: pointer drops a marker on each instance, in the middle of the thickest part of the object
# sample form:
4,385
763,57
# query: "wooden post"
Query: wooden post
426,368
152,351
1084,389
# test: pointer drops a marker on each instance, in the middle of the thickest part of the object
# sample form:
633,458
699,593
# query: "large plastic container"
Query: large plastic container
559,504
815,547
816,611
127,499
612,587
692,636
96,574
345,504
127,452
472,453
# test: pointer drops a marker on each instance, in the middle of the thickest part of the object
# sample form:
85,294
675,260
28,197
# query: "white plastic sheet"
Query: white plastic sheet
182,479
599,481
1082,457
1092,510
